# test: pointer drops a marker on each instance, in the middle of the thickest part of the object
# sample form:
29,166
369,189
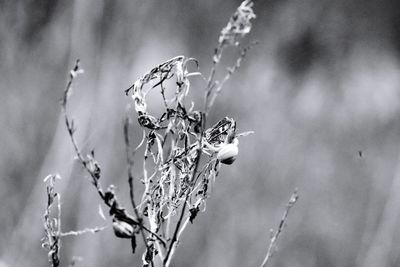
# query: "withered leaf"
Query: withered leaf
133,244
193,213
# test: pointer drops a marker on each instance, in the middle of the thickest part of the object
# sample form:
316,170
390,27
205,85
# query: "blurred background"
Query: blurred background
321,92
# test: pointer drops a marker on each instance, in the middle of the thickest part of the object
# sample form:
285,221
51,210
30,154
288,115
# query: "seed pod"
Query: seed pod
228,153
122,229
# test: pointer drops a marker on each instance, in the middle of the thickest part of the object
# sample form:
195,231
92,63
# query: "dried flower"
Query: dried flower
238,26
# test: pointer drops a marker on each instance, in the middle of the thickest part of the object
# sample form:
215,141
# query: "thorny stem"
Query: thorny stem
272,245
71,130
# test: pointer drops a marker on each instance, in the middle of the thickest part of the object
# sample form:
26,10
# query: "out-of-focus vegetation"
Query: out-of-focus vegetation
321,91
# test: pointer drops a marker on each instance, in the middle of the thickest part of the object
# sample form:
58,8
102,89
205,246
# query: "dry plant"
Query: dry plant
52,223
181,155
275,235
52,226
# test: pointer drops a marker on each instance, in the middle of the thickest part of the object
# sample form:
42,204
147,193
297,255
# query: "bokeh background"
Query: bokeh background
321,92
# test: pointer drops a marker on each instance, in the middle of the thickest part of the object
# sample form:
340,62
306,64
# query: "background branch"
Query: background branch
274,239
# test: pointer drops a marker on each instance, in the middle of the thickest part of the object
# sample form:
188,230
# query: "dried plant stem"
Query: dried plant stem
172,246
71,130
84,231
230,72
70,125
182,229
55,257
173,180
177,231
52,226
210,80
272,245
129,157
170,195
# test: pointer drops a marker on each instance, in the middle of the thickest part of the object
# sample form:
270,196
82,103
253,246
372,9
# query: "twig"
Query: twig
210,80
84,231
52,226
274,238
93,172
70,124
230,72
238,26
129,157
171,249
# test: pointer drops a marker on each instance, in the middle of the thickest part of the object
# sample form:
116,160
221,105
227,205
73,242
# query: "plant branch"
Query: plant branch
230,72
52,226
272,245
93,172
84,231
171,249
129,157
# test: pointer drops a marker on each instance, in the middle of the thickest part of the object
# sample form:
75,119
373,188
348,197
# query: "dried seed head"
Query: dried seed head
239,24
